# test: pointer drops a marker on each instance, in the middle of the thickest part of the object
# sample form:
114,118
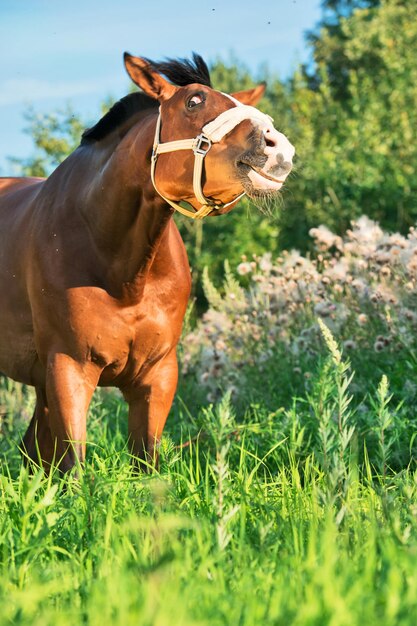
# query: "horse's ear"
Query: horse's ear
151,83
250,96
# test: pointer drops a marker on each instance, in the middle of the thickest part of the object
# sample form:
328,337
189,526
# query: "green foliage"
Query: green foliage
356,132
256,517
330,30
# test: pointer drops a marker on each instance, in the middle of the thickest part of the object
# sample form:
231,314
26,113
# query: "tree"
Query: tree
327,43
355,144
55,136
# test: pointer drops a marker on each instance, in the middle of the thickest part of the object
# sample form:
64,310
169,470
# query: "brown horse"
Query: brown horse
94,276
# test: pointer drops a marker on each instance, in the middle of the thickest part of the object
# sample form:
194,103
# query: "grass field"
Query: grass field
254,517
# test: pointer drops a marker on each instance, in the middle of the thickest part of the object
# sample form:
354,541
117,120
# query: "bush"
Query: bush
260,339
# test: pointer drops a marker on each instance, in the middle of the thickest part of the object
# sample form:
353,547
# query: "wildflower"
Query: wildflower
325,239
349,344
412,265
287,292
265,263
381,257
244,268
338,271
359,285
366,229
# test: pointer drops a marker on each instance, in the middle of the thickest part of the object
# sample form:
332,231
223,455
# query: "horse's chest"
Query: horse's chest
133,340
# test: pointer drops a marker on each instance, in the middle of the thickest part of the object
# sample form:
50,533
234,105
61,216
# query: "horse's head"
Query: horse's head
210,147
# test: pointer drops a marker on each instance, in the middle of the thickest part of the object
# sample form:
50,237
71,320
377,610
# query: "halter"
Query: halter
211,133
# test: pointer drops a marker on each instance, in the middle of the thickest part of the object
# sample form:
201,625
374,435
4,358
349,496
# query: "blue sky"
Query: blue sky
59,51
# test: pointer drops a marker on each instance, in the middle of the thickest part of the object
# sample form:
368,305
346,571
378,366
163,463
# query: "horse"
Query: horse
94,275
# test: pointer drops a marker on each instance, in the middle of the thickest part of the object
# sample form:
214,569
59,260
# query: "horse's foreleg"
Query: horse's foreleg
37,444
69,388
149,403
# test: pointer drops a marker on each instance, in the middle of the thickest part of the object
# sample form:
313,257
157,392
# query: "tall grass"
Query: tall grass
258,517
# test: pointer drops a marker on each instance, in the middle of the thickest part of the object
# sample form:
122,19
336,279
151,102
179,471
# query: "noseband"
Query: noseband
211,133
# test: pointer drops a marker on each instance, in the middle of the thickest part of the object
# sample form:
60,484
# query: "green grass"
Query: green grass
261,518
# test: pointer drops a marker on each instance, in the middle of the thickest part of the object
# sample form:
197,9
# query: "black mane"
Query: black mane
117,115
181,72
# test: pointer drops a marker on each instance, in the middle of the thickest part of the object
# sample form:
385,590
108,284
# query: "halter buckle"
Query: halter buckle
201,141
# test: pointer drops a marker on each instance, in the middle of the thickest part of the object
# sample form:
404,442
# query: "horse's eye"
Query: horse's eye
195,100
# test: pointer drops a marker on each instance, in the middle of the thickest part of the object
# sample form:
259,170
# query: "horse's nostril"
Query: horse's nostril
269,139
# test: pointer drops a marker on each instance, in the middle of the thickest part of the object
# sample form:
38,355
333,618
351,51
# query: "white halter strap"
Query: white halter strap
213,132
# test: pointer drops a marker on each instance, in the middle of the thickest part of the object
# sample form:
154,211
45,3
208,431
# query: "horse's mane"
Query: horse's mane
117,115
183,72
179,71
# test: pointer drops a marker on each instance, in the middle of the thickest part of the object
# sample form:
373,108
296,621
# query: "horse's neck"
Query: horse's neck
126,218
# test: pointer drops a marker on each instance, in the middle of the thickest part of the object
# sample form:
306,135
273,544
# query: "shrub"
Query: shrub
261,333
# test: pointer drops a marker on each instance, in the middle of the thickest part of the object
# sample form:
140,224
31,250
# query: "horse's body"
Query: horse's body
94,276
56,282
